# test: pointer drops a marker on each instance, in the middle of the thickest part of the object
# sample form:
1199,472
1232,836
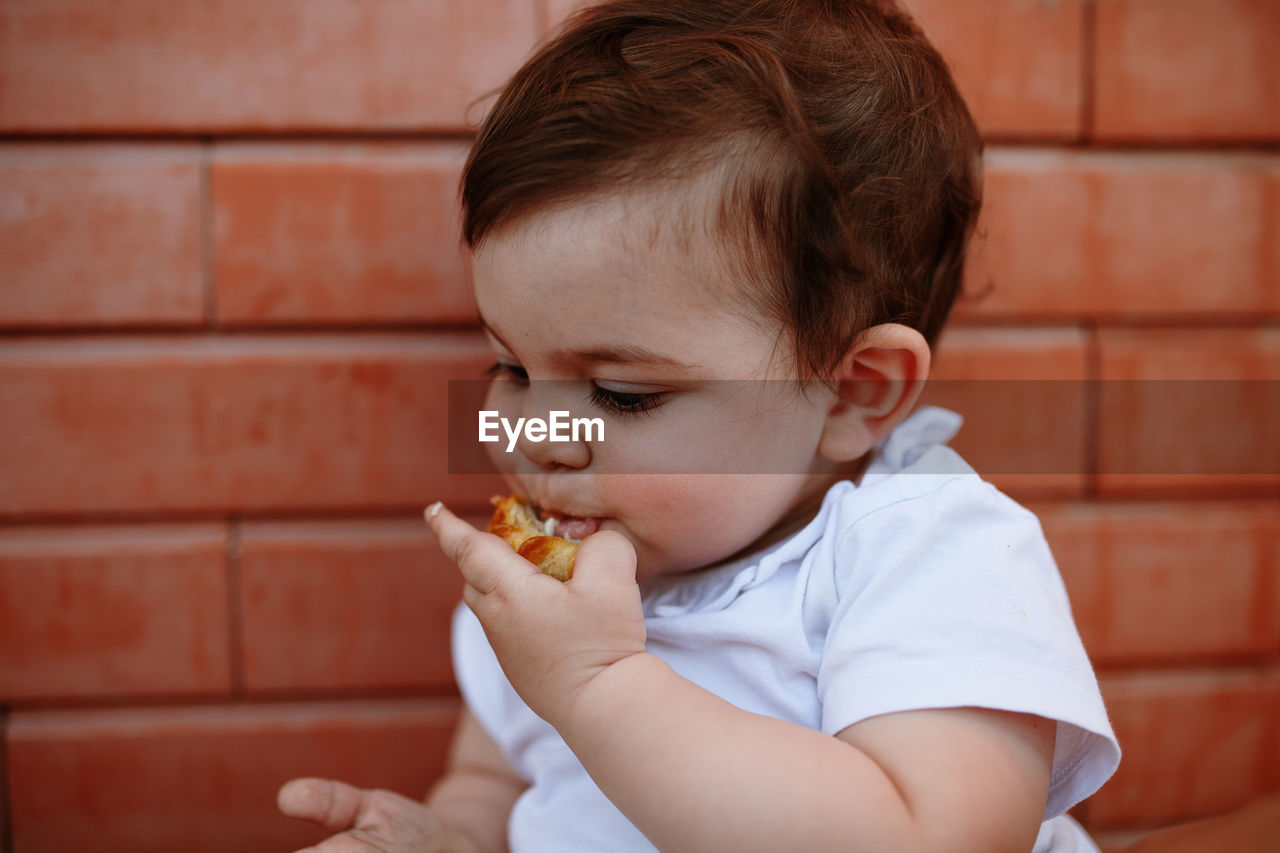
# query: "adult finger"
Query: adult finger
332,804
483,558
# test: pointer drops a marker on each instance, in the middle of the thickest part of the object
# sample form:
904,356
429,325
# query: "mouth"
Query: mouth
572,527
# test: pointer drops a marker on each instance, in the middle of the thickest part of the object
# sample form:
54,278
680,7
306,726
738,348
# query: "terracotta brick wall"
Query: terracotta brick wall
231,294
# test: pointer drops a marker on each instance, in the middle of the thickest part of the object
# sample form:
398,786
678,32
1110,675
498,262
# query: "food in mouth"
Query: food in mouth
516,522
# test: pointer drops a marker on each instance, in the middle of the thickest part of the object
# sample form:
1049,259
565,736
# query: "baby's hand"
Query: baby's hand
551,637
373,821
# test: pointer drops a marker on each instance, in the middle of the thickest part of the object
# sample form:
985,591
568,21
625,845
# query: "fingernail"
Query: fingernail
430,512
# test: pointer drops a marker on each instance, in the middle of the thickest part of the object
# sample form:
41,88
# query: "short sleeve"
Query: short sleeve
949,597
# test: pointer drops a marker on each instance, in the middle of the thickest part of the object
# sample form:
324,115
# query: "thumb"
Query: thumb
332,804
606,555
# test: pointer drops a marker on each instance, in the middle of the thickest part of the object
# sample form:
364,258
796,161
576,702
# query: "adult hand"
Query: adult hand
551,637
366,821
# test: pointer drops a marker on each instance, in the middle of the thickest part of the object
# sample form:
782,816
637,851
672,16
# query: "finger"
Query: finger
606,555
472,597
483,558
343,842
332,804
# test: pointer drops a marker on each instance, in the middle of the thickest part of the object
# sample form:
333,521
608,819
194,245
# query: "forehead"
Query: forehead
611,273
654,241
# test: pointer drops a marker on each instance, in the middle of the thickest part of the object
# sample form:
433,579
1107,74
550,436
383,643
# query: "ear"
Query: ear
877,384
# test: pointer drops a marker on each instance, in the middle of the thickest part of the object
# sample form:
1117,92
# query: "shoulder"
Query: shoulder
933,514
914,475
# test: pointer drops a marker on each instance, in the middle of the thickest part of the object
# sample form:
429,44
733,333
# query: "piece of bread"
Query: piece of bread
515,522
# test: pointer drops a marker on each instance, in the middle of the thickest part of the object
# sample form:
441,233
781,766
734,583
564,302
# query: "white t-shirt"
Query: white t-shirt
920,587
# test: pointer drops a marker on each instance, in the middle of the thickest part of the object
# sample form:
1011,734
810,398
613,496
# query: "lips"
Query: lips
571,526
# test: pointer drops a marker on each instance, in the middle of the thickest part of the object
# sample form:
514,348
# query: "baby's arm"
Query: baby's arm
466,812
694,772
479,790
697,773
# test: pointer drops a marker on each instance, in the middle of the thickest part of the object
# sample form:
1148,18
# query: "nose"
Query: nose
555,454
550,438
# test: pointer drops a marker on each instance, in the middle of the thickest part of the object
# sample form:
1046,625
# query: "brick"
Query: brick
1170,582
1018,63
1192,411
204,779
244,66
231,423
1188,354
1010,354
339,234
346,605
1184,231
95,234
1125,237
1027,257
1187,69
112,611
1195,743
1270,261
1022,394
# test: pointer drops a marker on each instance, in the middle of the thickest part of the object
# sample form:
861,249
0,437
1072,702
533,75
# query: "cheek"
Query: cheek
710,437
682,523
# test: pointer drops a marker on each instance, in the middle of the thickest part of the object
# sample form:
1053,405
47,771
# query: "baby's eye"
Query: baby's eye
626,402
506,370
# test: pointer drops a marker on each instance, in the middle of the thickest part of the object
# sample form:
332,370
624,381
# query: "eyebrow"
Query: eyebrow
602,355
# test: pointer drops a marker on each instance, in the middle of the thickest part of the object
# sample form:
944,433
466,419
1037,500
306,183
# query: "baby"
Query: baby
798,621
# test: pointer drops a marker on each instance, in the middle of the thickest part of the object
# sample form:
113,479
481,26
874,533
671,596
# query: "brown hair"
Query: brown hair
849,167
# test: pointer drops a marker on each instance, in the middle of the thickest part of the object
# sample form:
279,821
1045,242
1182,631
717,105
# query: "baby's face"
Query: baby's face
646,334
